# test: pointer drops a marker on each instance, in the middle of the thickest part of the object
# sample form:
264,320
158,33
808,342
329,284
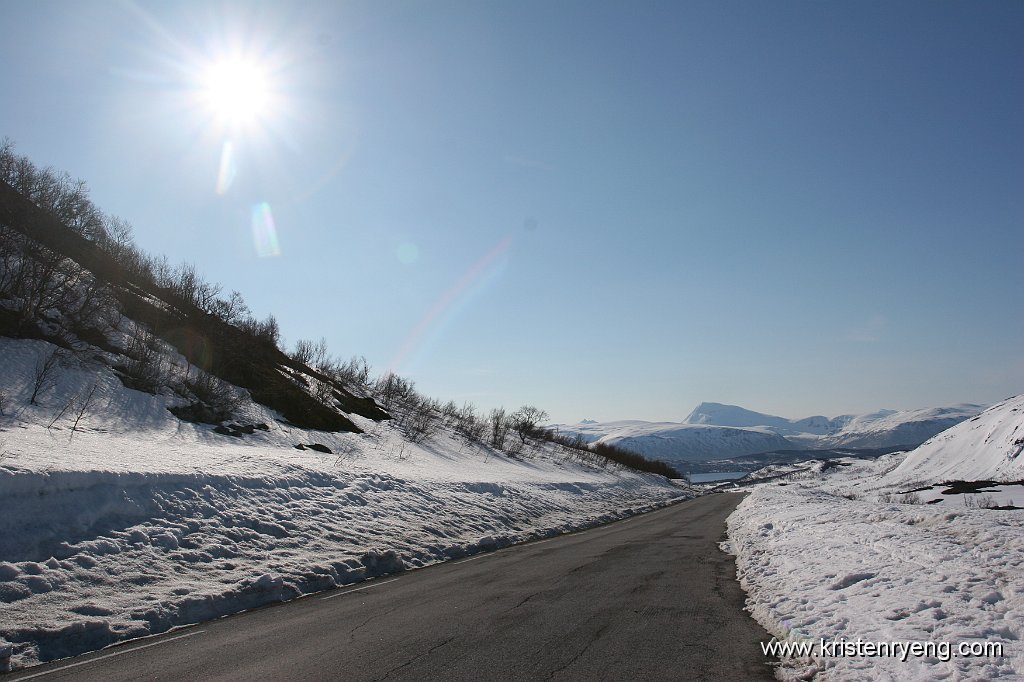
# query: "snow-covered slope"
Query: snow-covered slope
131,521
989,446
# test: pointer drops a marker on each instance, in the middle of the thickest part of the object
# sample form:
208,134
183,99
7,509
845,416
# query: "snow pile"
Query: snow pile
986,447
825,555
131,522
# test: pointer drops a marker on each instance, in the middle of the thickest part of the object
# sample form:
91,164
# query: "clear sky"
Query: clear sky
609,209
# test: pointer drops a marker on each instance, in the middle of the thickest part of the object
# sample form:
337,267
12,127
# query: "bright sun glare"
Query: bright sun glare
236,90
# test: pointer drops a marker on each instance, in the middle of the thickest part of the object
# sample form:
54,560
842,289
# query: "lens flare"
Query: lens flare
264,234
228,169
408,253
456,293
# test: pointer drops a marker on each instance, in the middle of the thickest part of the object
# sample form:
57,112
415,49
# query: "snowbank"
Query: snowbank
822,556
135,522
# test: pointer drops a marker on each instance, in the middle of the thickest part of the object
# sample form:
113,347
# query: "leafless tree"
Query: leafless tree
499,427
232,310
526,421
163,272
8,159
40,281
67,406
45,373
84,401
117,237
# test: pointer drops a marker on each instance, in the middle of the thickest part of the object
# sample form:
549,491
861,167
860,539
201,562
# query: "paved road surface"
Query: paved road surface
648,598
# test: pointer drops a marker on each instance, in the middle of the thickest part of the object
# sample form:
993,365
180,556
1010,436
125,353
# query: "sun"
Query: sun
237,91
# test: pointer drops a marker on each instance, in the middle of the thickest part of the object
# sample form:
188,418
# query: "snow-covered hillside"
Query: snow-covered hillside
871,550
716,431
119,520
988,446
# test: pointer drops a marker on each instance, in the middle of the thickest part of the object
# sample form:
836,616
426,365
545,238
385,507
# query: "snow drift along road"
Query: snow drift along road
136,522
834,552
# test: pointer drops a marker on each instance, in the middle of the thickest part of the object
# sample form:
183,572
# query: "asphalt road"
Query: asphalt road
648,598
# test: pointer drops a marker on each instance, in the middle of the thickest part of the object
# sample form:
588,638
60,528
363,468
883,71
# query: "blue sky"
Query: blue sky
611,210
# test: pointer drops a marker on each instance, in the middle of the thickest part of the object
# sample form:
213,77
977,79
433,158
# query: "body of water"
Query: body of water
716,476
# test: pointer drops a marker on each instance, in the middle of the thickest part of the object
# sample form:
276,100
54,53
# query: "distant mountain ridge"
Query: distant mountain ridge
717,431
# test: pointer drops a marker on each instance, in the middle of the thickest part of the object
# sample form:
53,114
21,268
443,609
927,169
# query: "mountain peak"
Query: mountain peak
720,414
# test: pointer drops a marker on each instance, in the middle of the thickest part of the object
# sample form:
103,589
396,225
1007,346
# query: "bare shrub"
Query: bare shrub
469,424
323,391
423,416
309,353
449,413
217,394
267,330
392,389
353,372
146,368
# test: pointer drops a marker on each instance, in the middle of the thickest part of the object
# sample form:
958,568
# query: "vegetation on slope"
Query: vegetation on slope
72,275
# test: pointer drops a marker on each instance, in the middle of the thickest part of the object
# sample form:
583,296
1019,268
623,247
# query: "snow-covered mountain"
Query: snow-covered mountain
717,414
717,431
988,446
692,442
888,428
